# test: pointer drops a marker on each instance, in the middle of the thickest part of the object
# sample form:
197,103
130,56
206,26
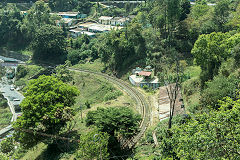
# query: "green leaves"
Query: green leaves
93,145
119,120
49,44
46,108
210,135
209,51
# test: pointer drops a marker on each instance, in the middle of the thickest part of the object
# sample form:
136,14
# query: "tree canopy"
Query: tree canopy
211,135
49,44
115,120
45,109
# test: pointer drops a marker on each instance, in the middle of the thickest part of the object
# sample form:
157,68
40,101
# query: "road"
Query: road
142,104
14,99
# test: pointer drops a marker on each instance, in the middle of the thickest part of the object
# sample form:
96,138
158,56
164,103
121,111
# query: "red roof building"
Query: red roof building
145,73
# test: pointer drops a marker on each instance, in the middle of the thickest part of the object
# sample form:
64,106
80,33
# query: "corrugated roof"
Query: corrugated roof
105,18
144,73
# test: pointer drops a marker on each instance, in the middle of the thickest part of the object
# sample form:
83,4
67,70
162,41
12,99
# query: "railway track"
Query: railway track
142,104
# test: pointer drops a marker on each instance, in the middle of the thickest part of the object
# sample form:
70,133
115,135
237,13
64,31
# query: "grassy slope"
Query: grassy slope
91,88
96,66
190,88
5,117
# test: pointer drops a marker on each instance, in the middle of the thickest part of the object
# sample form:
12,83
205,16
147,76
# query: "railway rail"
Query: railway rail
142,104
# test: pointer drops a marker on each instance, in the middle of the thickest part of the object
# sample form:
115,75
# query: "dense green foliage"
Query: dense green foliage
46,109
117,121
121,123
83,6
21,72
93,145
162,33
7,145
10,23
210,135
49,44
62,72
218,88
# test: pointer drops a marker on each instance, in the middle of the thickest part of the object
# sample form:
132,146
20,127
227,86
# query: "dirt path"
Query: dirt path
161,106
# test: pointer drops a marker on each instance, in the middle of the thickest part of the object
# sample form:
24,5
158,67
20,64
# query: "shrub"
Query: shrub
218,88
3,103
20,83
74,56
21,71
112,95
7,145
87,104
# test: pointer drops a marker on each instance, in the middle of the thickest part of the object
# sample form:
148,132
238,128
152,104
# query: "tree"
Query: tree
21,71
219,88
209,51
10,23
120,49
93,145
62,73
7,145
49,44
36,17
212,135
199,20
234,18
114,121
172,79
221,14
46,109
121,123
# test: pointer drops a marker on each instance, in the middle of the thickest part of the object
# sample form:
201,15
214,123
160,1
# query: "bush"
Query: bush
87,104
20,83
112,95
191,86
74,56
21,71
3,103
218,88
7,145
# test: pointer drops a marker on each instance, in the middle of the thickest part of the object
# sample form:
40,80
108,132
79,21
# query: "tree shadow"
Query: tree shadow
116,151
60,147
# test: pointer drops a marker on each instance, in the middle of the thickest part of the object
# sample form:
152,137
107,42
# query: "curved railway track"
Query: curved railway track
142,104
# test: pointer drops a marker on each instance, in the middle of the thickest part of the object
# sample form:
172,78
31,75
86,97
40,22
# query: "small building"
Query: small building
97,28
4,61
24,13
74,15
141,77
119,21
105,20
79,31
65,21
10,74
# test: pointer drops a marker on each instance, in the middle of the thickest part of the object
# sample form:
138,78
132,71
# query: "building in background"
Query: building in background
106,20
144,77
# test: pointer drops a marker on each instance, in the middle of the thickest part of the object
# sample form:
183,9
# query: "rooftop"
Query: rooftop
76,30
136,79
5,59
66,20
105,18
99,27
123,19
67,13
80,30
145,73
